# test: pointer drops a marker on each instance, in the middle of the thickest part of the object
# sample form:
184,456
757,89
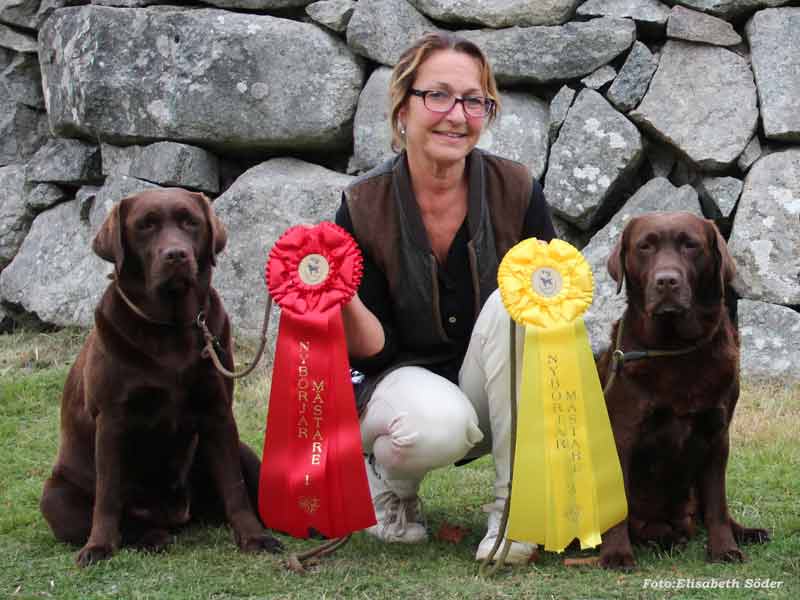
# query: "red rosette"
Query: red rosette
312,470
313,269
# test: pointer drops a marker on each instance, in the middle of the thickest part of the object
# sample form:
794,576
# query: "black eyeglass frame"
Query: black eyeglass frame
489,104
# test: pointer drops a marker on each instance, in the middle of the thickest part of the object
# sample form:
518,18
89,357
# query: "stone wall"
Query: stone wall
272,106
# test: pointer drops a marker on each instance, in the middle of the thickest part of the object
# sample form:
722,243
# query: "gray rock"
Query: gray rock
206,77
15,217
553,54
750,154
41,196
23,130
177,165
650,15
765,241
19,42
372,136
718,196
20,79
694,26
601,77
382,29
499,13
520,133
66,162
717,113
55,275
559,106
631,84
30,14
775,54
21,13
258,4
770,342
260,206
117,160
728,9
127,3
656,195
596,152
333,14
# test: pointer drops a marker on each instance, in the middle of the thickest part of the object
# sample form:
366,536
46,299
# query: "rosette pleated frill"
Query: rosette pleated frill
567,481
313,478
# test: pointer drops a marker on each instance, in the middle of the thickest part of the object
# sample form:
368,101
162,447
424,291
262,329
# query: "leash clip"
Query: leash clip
618,357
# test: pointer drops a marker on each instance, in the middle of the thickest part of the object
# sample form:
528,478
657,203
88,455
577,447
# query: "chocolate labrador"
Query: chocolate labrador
672,400
148,438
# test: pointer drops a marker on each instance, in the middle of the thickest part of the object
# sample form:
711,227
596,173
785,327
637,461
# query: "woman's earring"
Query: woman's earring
402,130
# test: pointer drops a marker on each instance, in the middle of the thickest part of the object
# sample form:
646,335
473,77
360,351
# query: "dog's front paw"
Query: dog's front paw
751,535
618,559
262,542
93,553
723,554
154,540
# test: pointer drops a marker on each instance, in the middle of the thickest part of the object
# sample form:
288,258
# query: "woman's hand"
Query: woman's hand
363,330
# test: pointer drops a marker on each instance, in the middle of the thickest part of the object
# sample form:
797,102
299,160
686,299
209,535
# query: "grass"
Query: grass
763,490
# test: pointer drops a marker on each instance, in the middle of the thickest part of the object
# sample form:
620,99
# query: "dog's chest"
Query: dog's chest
157,407
680,430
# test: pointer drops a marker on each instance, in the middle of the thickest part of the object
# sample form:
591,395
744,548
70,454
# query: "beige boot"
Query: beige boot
519,553
397,507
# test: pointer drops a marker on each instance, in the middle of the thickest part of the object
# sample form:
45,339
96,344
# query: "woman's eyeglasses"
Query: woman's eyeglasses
442,102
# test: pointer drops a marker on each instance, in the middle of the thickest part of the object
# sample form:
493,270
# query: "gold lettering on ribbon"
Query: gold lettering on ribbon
567,445
302,389
310,399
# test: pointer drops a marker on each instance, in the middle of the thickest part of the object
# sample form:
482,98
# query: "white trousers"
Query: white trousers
417,421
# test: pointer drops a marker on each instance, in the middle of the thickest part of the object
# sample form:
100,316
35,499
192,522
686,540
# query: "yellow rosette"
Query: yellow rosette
567,482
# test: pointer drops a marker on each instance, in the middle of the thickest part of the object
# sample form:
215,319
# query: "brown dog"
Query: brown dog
148,436
671,412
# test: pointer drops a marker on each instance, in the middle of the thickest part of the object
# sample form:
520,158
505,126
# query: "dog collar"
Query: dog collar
143,315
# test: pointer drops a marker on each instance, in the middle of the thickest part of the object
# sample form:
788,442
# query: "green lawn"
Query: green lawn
203,562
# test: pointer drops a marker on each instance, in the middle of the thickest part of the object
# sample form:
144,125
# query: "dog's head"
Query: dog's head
671,263
165,237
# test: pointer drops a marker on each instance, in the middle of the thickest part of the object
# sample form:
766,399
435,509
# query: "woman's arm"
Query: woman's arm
367,317
363,330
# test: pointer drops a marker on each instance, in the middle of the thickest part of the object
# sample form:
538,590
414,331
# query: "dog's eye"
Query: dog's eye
190,222
146,224
690,245
644,246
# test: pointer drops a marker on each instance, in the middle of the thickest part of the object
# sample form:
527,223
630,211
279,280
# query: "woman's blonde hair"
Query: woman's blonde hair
406,69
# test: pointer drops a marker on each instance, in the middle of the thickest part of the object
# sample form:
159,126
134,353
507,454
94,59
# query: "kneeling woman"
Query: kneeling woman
427,326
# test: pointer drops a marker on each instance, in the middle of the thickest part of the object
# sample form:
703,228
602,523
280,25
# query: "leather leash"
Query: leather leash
619,357
212,342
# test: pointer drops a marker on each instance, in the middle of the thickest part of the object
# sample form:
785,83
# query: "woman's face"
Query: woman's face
443,138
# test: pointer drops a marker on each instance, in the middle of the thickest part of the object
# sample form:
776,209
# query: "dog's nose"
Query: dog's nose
667,280
175,255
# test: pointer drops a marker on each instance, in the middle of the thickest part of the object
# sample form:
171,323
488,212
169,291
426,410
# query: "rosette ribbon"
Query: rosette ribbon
567,481
313,478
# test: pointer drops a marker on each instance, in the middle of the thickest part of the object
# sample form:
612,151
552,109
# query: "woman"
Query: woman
427,326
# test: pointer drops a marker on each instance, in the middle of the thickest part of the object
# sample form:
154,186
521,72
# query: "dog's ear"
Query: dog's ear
217,234
725,265
616,260
109,242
